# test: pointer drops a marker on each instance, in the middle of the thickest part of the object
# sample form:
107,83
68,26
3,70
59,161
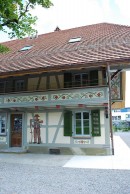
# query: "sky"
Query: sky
74,13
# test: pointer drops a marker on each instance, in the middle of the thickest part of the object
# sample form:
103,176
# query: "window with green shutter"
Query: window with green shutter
96,129
68,123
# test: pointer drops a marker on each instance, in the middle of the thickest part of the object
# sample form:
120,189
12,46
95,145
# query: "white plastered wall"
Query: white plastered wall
55,118
32,83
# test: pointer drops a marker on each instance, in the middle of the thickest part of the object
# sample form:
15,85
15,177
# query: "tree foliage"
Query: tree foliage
15,16
3,49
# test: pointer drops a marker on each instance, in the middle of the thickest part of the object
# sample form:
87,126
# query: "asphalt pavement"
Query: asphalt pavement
49,174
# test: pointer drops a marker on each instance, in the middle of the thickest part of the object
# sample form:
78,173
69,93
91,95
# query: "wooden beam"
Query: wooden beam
57,81
39,81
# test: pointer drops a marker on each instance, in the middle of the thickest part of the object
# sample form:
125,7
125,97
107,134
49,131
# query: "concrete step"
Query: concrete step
14,150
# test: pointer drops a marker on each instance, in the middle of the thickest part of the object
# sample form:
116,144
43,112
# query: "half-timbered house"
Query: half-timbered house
57,89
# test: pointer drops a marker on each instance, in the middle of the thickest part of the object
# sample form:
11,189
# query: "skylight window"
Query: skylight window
77,39
25,48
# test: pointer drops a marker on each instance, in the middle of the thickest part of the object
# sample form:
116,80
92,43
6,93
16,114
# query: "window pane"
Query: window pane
78,123
77,80
86,123
86,130
77,77
78,131
19,85
85,79
2,124
2,87
78,115
82,123
85,115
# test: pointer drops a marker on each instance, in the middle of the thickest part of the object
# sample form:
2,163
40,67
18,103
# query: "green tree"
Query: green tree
15,16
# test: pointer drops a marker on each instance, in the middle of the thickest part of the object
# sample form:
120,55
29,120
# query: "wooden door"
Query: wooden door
16,130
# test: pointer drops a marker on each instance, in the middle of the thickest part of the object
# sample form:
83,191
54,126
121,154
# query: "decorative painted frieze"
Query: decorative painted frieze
78,95
20,99
82,141
97,94
115,87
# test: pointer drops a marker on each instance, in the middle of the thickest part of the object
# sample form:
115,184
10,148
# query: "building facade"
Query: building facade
52,98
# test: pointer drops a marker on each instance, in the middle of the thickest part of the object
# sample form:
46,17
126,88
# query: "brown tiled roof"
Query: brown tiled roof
99,43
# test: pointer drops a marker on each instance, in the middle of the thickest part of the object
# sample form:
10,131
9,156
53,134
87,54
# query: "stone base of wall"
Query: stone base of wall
70,151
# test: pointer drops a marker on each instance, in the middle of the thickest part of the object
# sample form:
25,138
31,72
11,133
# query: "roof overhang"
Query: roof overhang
114,65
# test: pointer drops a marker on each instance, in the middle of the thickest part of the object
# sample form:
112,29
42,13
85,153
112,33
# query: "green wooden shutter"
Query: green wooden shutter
67,80
96,129
93,77
68,123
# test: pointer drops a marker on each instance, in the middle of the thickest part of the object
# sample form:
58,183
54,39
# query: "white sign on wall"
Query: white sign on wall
2,139
81,141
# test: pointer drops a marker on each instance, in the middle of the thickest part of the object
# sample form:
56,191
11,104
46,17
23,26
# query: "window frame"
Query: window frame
5,124
80,82
19,85
82,125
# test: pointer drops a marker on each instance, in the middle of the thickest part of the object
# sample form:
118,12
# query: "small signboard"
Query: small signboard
2,139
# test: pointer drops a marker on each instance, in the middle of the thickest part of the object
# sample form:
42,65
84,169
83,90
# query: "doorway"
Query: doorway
16,130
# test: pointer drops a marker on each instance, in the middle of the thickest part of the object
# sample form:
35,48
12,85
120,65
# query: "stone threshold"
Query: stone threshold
14,150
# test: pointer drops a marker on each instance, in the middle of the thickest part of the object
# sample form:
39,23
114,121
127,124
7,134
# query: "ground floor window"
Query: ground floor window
2,124
82,123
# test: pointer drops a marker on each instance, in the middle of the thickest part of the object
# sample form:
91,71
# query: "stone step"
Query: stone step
13,150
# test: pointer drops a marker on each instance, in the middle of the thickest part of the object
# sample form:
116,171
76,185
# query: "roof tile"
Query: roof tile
99,43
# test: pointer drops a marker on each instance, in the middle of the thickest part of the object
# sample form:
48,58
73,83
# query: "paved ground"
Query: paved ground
45,174
125,137
120,160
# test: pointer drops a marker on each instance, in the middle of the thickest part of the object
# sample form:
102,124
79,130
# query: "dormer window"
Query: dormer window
26,48
76,39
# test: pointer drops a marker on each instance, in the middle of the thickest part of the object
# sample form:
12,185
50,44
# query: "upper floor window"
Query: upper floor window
81,79
19,85
2,87
89,78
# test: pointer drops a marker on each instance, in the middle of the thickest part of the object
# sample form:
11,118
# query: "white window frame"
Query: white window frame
74,124
2,124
